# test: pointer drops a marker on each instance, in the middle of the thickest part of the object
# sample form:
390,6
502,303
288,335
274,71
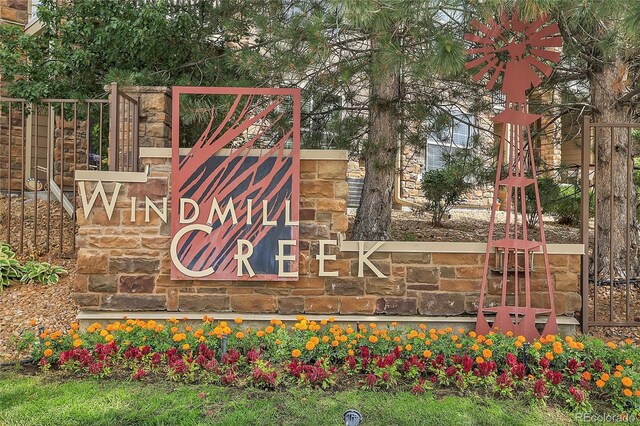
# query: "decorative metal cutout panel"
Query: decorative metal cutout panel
235,194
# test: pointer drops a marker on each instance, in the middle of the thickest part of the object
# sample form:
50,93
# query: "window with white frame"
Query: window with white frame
33,10
454,136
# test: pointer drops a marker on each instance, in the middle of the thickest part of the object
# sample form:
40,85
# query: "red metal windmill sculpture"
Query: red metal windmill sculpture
515,50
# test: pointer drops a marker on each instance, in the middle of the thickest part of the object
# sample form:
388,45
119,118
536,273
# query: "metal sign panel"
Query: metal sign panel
235,195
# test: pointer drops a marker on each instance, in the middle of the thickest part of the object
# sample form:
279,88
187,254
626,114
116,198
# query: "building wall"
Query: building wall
14,12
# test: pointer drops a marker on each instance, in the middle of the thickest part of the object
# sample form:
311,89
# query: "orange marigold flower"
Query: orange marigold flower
335,343
472,334
454,338
185,347
460,330
611,345
394,324
628,361
77,343
459,346
343,338
159,328
549,356
479,360
605,376
586,375
580,345
174,330
557,349
240,335
188,328
475,347
600,383
260,333
487,353
296,353
518,344
238,320
278,341
619,367
315,340
373,339
351,352
396,339
269,329
626,381
310,345
32,323
509,333
48,352
426,353
627,393
423,326
108,338
617,374
628,341
408,347
637,392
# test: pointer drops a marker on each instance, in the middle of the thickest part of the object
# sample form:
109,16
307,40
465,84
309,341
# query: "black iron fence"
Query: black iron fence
42,144
611,266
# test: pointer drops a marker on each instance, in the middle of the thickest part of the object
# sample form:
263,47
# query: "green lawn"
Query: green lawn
46,400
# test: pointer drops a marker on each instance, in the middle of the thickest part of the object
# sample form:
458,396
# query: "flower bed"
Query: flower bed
324,354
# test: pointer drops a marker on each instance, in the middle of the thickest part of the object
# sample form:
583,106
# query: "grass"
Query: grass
47,400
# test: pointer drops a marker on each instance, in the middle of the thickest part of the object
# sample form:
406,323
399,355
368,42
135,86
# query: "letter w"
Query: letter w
108,205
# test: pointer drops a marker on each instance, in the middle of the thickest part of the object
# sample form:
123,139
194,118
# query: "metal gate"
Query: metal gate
610,272
42,144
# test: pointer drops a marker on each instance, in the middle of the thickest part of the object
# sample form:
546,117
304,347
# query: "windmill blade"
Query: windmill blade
480,26
544,68
547,31
482,50
474,63
533,27
476,39
516,23
494,77
547,42
549,55
484,70
504,20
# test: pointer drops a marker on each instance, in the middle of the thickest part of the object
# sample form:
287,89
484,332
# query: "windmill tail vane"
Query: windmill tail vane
514,53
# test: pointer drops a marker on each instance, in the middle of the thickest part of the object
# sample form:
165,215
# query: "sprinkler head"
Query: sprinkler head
352,417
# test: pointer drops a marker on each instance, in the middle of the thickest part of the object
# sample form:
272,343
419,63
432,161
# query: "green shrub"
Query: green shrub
10,268
566,209
41,272
445,188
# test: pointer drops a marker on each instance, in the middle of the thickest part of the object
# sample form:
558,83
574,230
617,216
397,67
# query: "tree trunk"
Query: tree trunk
616,222
373,219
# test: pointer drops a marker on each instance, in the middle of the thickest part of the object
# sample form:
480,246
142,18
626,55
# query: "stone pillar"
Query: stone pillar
155,114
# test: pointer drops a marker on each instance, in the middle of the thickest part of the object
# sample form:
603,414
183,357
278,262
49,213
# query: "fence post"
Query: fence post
114,126
584,272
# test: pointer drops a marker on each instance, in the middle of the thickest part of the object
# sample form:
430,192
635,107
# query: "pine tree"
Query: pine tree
386,59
